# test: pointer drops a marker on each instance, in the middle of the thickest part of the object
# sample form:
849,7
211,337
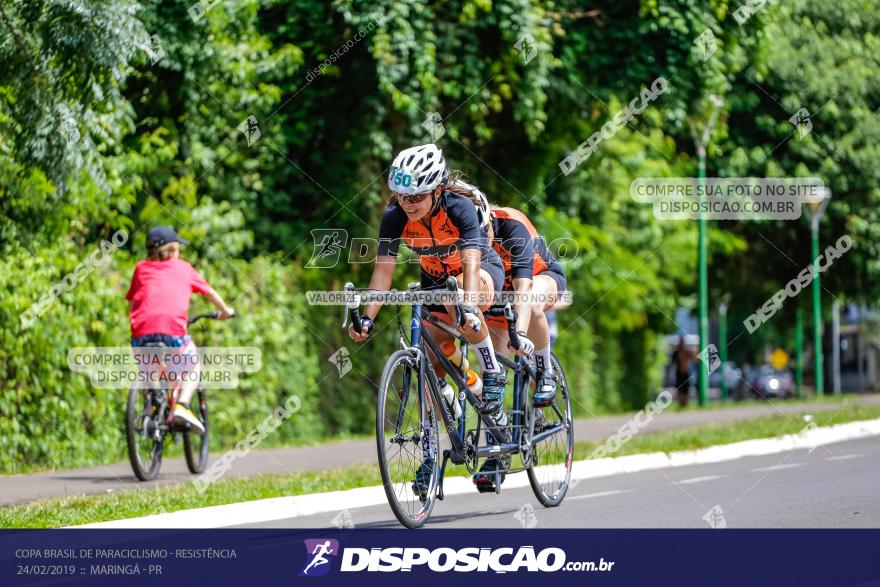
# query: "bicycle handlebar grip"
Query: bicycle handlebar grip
510,315
352,304
192,320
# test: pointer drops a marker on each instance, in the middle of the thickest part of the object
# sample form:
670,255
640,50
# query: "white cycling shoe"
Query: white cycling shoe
183,415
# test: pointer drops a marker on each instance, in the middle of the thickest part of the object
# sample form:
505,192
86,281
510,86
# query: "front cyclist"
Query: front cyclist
441,227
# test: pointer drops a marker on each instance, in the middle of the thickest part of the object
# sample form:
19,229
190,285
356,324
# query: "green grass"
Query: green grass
736,431
83,509
173,450
94,508
694,406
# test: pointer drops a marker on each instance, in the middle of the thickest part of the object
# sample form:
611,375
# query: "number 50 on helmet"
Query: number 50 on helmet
418,169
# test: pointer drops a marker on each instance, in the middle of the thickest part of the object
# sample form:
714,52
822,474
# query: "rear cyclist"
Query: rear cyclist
442,227
538,280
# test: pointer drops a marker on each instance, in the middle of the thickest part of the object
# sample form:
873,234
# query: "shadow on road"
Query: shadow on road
435,519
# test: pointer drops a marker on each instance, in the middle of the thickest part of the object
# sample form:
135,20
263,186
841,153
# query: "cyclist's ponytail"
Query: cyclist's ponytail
458,185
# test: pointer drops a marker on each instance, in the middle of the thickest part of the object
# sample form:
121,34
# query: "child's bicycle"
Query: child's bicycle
149,418
408,431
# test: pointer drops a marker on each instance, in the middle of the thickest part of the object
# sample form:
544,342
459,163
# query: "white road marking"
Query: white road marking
776,467
846,457
597,494
295,506
700,479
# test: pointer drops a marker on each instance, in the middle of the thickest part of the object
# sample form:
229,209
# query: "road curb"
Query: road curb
280,508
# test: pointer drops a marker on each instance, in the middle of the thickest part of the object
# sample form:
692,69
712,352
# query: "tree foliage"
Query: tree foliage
118,115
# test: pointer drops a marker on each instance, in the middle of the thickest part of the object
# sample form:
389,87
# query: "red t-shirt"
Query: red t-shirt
160,292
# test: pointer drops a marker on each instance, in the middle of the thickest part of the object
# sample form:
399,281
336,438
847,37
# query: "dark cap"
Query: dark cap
162,235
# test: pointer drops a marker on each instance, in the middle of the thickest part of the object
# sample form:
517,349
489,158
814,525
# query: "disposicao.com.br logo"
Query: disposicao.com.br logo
317,551
444,559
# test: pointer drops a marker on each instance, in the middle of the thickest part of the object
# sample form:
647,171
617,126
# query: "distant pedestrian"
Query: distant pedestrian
682,357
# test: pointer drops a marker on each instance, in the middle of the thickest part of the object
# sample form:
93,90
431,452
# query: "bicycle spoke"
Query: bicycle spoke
551,461
142,425
401,440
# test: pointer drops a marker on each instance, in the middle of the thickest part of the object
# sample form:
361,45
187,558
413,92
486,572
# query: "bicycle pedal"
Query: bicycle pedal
488,481
485,487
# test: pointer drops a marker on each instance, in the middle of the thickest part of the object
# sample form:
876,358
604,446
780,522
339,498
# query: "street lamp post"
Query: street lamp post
835,347
703,287
815,208
799,346
701,141
722,345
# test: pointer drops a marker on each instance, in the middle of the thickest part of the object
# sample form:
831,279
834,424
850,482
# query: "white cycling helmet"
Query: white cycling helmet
478,198
418,169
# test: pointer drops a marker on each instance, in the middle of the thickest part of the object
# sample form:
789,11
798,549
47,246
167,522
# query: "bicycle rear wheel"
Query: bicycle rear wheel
195,446
406,437
145,442
550,467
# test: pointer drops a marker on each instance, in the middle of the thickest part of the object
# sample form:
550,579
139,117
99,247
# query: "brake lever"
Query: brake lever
452,286
510,315
351,308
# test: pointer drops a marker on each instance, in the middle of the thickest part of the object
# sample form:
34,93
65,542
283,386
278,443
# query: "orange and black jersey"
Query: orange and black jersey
523,251
453,227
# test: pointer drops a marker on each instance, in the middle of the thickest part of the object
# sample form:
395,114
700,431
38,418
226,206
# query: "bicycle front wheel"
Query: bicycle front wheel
145,441
407,441
550,467
195,446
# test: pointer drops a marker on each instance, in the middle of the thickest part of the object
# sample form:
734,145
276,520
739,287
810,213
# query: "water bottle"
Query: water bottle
455,356
474,383
449,393
459,360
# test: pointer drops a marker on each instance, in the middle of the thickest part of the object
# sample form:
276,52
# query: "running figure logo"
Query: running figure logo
317,551
327,247
341,359
711,357
250,128
526,47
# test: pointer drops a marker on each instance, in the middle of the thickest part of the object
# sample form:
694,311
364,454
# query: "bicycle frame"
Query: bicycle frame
521,424
150,414
170,393
523,371
511,438
427,379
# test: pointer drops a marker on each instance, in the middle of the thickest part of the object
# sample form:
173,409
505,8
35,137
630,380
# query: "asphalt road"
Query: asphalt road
835,486
118,476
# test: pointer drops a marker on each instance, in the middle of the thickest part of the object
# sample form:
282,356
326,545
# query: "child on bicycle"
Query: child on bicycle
158,305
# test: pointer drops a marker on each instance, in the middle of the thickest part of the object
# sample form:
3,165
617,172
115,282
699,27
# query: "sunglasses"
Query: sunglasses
412,198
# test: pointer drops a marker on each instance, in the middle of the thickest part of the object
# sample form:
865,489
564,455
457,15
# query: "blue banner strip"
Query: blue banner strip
568,557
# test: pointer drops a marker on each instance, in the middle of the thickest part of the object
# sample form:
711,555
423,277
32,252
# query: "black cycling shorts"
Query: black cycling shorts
558,274
496,272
